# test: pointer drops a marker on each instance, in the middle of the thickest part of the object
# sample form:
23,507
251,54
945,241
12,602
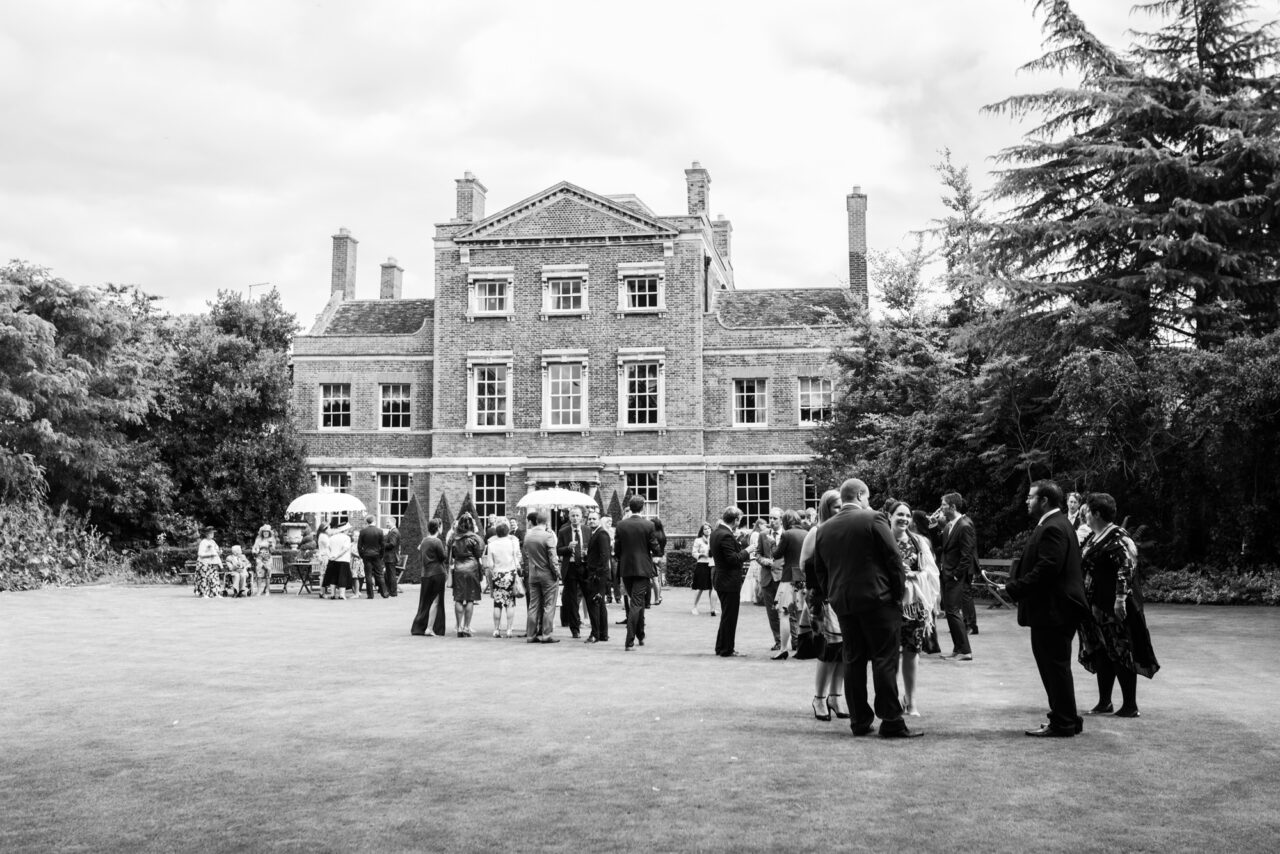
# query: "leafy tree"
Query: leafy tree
235,454
1155,183
82,371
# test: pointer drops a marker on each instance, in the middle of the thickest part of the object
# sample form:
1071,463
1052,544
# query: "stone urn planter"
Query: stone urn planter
293,532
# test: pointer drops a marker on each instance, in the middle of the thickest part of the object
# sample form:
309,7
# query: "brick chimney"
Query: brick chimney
721,234
344,265
856,202
392,280
699,184
470,199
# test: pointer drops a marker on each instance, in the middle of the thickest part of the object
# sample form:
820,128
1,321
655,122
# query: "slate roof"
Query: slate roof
380,317
785,307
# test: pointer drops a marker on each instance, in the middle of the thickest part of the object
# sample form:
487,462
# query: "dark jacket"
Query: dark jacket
958,555
729,557
599,553
391,545
571,566
1046,582
635,542
434,558
787,553
370,541
856,564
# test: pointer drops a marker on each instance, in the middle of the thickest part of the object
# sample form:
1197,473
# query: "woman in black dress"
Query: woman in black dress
464,558
434,562
1114,641
703,567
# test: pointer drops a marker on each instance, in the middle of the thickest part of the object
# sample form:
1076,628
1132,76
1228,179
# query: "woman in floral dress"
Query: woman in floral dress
1114,641
922,598
208,566
504,550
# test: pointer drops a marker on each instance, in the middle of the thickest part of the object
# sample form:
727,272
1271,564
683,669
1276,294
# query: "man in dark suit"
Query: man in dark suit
729,553
761,547
1048,587
391,555
635,544
571,546
959,561
596,577
369,547
858,570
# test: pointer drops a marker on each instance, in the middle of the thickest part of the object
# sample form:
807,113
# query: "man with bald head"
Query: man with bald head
859,572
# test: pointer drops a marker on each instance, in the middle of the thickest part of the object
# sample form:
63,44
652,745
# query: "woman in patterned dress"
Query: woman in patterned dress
208,566
921,600
504,549
1114,641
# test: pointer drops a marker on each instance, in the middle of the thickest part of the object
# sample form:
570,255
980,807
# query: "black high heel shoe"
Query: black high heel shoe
820,709
833,705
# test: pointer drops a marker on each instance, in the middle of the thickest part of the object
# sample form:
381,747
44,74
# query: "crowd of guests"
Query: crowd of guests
852,588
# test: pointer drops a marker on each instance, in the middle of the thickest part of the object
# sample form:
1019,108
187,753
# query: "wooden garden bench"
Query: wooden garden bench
995,575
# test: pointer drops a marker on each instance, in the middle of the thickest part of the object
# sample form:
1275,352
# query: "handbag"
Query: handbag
517,587
486,561
810,642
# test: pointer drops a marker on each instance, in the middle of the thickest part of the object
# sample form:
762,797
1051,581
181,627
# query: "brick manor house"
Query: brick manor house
578,340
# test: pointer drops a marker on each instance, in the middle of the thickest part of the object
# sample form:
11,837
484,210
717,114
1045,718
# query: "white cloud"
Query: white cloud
187,147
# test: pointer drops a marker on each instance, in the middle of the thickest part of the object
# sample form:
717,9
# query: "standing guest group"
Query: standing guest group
847,586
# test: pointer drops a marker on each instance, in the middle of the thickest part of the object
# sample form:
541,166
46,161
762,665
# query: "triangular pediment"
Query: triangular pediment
566,211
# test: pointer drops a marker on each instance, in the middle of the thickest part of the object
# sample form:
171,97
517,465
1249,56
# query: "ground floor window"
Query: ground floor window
393,496
644,484
810,494
334,481
490,495
751,494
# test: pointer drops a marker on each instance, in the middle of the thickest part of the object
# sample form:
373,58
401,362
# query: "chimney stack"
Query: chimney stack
470,199
392,280
344,266
721,233
856,202
698,181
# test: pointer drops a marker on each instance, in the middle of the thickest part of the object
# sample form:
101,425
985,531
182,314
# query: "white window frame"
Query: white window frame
476,362
629,356
385,491
642,269
652,485
324,399
338,481
801,394
761,394
555,358
552,273
478,275
812,498
761,478
483,485
406,414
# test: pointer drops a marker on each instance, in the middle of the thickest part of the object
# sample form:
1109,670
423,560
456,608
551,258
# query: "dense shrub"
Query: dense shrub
1200,585
679,569
42,547
161,560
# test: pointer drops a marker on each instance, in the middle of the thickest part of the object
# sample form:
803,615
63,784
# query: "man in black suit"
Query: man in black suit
596,577
1049,589
729,553
391,555
858,570
369,545
959,561
635,544
571,546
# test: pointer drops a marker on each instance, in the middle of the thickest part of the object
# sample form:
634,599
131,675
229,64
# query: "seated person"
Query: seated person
237,568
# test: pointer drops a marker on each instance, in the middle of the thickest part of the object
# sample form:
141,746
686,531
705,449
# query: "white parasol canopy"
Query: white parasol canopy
326,502
556,497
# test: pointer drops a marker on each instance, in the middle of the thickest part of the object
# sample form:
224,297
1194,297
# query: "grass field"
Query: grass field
143,719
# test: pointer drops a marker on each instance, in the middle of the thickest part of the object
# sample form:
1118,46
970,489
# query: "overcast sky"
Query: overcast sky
190,146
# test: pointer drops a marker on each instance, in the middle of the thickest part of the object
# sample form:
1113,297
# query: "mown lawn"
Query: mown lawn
142,719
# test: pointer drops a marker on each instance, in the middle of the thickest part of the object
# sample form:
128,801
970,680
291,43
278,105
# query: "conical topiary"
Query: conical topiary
468,506
600,501
412,529
445,515
615,509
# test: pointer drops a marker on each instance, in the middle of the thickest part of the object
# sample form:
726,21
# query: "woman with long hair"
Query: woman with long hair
923,594
659,579
828,679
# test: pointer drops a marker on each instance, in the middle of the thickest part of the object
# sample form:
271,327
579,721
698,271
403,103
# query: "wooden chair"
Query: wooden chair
404,561
995,575
277,575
